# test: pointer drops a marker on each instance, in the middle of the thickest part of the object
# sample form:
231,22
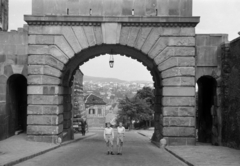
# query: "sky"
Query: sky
216,16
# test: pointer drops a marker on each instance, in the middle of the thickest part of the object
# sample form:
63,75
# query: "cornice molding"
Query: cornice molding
125,21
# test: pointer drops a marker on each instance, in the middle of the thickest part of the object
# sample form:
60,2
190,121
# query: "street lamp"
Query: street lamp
111,61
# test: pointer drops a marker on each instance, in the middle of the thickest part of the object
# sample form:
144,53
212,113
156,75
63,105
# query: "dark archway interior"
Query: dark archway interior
17,103
92,52
206,97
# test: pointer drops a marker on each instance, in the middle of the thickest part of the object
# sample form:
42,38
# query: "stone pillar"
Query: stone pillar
45,96
178,91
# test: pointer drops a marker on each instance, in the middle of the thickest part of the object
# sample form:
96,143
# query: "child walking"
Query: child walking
108,137
120,135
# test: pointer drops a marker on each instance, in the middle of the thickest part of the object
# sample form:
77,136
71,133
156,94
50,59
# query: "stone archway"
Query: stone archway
55,51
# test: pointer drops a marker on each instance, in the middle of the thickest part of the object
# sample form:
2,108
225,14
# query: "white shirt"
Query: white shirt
121,130
108,131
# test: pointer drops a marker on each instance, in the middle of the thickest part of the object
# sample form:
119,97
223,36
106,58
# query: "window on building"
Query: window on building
93,111
99,111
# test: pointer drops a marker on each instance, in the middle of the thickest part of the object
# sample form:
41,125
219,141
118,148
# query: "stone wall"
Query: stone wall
13,60
231,94
113,7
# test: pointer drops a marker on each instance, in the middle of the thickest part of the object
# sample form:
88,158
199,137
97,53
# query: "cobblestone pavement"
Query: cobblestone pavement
138,151
16,148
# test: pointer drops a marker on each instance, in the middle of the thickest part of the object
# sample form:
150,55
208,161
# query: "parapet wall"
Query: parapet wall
181,8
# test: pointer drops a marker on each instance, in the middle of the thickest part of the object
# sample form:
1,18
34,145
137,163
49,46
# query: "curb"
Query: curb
180,158
171,152
45,151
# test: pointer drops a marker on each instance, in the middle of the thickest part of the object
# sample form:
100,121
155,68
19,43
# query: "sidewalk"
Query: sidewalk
202,155
16,149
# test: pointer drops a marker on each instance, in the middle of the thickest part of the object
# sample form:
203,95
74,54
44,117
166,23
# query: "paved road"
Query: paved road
138,151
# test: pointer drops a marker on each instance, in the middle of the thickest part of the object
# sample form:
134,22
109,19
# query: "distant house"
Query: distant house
95,108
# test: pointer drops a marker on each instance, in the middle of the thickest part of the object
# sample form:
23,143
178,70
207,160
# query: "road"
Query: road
138,151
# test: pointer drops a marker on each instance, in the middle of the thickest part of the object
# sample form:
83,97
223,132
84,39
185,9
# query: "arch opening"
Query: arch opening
92,52
16,104
206,109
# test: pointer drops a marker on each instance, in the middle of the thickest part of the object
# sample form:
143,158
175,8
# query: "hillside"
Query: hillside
115,80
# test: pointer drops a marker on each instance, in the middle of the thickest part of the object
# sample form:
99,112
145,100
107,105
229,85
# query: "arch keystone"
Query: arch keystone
111,33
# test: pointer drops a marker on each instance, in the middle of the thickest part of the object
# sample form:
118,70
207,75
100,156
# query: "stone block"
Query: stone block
3,89
178,101
186,61
70,36
179,121
45,60
186,8
174,9
176,141
151,39
37,7
142,36
58,54
73,6
133,36
44,119
3,79
159,46
22,59
170,63
45,99
45,90
44,109
8,71
44,130
127,7
174,51
163,8
63,45
81,36
90,35
179,81
207,55
17,69
179,91
179,111
41,39
43,70
38,49
179,131
2,98
97,7
178,71
178,31
43,138
42,79
139,8
124,35
111,33
151,6
2,58
98,35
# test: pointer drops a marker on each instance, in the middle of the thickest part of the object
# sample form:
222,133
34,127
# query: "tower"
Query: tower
3,15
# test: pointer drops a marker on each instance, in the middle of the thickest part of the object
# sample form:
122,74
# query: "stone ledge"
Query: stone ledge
127,21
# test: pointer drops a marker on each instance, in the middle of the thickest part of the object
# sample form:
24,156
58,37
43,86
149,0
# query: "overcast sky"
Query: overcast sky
217,16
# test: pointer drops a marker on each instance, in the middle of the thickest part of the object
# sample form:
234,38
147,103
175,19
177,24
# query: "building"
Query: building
77,95
95,110
37,64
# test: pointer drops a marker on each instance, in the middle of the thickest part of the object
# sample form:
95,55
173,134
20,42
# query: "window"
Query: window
99,111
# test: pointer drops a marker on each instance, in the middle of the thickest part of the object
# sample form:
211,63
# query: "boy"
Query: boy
108,137
120,135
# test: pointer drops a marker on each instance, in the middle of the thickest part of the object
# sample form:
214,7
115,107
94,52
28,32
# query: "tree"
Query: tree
138,108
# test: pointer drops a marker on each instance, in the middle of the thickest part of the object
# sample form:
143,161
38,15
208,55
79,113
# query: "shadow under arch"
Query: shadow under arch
206,122
92,52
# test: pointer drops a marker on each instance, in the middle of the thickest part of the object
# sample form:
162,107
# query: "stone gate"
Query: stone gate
63,34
